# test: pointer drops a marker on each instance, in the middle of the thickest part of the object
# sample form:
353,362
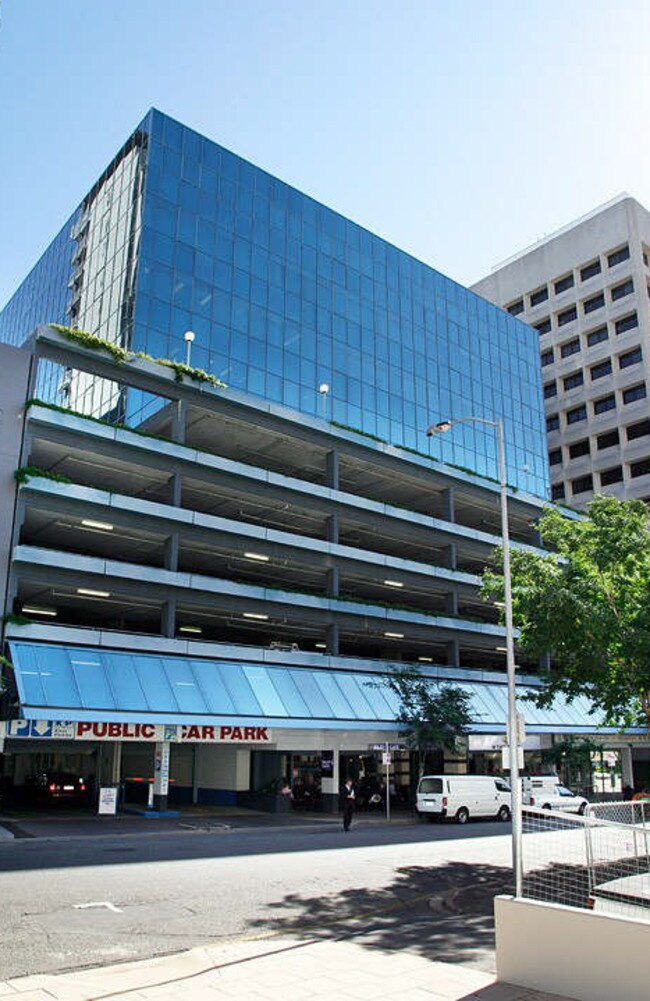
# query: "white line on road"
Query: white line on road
100,903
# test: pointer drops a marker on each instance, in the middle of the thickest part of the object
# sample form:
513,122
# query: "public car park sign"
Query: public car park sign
40,729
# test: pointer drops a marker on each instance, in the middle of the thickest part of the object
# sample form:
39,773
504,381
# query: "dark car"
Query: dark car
61,787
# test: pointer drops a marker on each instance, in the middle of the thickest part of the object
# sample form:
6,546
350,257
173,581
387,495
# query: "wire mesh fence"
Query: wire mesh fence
588,861
621,811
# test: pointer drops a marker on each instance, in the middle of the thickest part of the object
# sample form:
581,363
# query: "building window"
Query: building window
577,414
543,327
613,475
582,485
570,348
604,404
541,295
557,491
608,439
620,291
579,448
640,468
550,389
589,271
553,422
515,308
597,336
555,456
637,392
573,381
617,256
596,302
562,284
632,357
601,370
547,357
639,430
627,323
566,316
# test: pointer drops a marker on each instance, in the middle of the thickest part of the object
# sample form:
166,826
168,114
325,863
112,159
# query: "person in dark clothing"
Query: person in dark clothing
348,797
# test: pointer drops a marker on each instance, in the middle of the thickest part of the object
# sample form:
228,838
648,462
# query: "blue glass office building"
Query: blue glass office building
284,294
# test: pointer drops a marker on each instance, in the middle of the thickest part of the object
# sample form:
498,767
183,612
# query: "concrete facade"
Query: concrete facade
245,541
15,368
585,290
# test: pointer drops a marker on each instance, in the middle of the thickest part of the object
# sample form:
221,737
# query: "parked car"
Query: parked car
548,793
461,797
61,787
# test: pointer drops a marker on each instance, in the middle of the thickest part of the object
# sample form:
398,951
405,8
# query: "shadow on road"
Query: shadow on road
443,913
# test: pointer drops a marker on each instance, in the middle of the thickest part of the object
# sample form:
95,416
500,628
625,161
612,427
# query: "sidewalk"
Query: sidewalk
274,969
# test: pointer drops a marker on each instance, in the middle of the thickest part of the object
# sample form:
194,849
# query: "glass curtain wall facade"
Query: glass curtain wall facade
283,295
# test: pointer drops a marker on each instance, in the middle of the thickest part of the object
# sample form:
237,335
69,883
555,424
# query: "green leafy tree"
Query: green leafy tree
587,604
435,716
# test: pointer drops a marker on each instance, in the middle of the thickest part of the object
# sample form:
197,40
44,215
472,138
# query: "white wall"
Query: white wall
574,953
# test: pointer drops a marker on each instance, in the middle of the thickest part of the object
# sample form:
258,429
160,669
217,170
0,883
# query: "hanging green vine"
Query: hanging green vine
120,355
26,473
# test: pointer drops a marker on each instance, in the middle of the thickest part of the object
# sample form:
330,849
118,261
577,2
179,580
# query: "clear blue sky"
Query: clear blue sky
461,131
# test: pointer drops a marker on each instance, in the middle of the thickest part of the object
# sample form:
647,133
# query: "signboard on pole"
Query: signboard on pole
505,758
386,758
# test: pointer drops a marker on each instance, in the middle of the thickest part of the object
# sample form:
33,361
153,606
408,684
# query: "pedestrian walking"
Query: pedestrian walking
349,799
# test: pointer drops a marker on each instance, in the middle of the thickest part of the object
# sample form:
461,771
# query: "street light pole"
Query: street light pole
513,728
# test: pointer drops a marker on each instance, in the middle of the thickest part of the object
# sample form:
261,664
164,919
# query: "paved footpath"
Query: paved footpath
274,969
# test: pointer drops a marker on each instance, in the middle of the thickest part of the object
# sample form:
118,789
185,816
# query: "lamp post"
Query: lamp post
188,337
324,389
513,729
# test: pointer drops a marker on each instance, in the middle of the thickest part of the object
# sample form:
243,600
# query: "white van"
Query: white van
459,797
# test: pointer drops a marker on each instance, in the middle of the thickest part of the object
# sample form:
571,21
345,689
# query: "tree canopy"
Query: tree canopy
435,716
587,604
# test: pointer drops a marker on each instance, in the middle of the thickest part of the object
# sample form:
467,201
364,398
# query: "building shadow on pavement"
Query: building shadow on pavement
443,913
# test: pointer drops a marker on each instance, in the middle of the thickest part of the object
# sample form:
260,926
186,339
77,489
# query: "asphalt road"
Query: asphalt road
91,901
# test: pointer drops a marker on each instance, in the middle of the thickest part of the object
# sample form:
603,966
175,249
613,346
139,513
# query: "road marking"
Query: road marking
99,903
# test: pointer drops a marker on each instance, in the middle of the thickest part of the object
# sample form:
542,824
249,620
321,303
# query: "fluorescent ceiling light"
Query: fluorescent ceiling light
86,663
257,556
395,636
102,526
321,646
35,610
90,592
426,660
255,615
190,629
393,583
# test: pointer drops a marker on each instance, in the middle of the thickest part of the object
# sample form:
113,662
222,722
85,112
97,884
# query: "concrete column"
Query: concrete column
161,775
175,490
627,768
332,470
330,787
545,662
172,545
452,556
168,618
453,652
451,602
179,415
448,504
116,764
333,528
333,581
332,639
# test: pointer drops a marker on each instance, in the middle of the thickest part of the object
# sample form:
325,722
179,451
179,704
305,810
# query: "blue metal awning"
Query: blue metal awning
99,685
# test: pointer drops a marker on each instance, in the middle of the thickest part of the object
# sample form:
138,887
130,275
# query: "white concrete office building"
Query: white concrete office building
585,289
